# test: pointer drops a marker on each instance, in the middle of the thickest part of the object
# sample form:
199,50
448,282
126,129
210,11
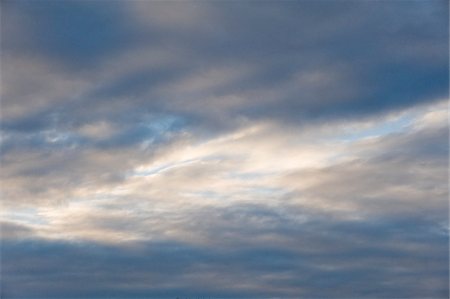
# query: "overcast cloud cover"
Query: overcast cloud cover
226,149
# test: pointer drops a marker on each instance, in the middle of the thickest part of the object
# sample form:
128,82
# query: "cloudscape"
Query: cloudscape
224,149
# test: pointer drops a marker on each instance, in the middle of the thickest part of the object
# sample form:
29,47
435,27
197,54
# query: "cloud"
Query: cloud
74,34
300,68
168,149
371,222
316,259
392,174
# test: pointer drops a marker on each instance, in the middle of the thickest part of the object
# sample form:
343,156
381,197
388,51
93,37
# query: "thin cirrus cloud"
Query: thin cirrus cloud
224,149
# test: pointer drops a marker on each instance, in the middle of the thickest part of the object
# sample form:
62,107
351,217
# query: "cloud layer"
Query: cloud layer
224,149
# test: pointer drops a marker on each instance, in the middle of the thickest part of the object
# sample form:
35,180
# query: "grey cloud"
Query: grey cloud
395,174
11,230
325,258
41,178
72,33
396,245
85,104
376,65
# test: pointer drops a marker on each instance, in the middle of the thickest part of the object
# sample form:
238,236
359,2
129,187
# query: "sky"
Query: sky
224,149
